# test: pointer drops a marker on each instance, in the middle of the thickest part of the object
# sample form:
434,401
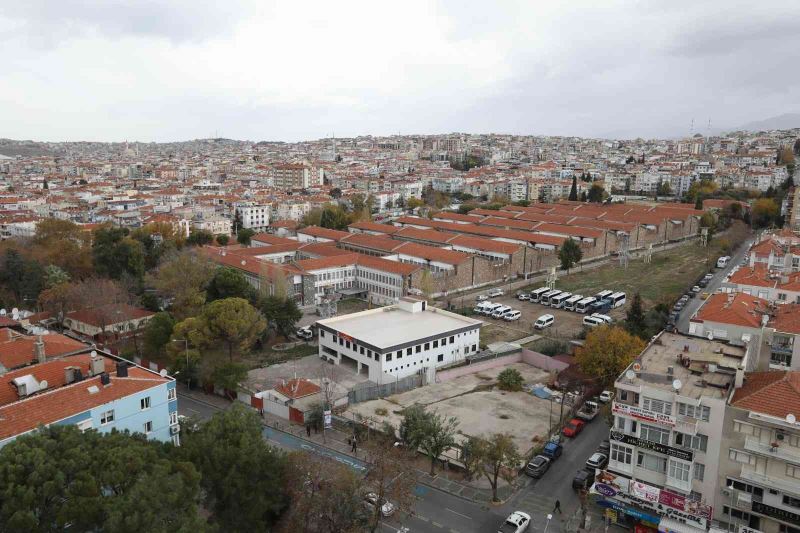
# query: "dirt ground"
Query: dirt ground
480,407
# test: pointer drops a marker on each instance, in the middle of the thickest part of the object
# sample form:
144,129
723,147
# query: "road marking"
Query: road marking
437,524
459,514
423,518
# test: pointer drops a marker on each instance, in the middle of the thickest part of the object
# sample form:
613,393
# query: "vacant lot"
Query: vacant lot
480,407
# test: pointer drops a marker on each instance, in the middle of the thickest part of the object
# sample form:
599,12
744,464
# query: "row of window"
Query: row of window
661,435
699,412
790,439
437,343
380,278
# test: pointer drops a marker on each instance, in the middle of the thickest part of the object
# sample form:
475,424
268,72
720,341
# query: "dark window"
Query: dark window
435,344
427,346
408,351
441,357
418,348
788,529
452,340
399,354
347,344
361,349
623,395
388,357
321,333
474,347
341,341
369,353
793,502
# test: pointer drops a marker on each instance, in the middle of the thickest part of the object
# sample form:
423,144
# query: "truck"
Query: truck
588,411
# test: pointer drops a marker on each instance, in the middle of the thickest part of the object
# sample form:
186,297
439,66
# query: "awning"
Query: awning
670,525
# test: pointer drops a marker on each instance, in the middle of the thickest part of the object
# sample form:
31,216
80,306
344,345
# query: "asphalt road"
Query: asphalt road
198,410
719,275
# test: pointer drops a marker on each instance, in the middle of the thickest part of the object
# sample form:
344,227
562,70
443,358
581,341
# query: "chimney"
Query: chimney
105,379
97,366
38,350
69,375
122,369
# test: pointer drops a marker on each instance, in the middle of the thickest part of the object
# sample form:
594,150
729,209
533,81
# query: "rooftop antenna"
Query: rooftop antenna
691,128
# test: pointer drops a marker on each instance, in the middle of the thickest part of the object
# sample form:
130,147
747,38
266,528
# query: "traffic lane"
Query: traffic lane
287,441
446,510
194,409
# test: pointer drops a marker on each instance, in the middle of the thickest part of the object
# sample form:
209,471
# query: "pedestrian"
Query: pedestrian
354,444
557,507
308,430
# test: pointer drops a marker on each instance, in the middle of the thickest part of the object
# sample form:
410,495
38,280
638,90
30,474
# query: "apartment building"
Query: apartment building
254,217
669,412
90,389
759,463
420,340
295,176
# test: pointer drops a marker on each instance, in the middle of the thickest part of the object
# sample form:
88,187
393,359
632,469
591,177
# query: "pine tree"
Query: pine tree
635,320
573,193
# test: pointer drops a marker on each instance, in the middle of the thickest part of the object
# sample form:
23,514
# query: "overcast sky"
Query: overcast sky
152,70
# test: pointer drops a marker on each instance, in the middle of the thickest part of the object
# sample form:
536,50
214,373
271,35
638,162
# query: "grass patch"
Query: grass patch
350,305
549,347
493,333
267,356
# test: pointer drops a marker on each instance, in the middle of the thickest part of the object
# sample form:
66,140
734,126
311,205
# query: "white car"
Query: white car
494,293
517,522
305,333
481,298
606,396
387,509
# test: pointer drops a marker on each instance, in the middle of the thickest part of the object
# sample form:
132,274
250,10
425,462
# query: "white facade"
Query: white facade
254,217
397,341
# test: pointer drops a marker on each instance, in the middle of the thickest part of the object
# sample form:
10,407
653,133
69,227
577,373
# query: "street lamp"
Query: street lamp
549,517
188,375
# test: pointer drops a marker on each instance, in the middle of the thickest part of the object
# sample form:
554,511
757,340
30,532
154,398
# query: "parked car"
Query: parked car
494,293
573,427
481,298
604,447
606,396
500,311
552,450
582,480
371,499
305,333
512,315
705,295
588,411
708,276
544,321
695,289
597,460
517,522
523,296
605,318
538,466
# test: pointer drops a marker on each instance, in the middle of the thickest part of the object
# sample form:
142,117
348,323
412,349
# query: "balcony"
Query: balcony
683,486
783,485
782,451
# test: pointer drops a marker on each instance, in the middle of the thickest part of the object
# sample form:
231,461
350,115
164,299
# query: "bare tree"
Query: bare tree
392,478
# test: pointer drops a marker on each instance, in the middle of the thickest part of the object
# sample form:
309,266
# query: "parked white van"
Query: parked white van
513,315
500,311
490,308
605,318
544,321
480,308
592,321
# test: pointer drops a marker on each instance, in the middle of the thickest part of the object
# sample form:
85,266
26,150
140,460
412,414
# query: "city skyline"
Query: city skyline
300,72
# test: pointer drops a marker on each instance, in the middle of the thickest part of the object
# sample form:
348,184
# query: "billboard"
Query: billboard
643,414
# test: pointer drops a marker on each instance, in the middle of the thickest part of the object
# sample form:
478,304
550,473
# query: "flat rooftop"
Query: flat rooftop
390,326
705,368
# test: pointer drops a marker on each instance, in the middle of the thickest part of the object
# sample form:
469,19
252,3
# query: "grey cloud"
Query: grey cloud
46,24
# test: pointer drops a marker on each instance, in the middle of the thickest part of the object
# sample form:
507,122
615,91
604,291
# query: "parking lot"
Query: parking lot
567,324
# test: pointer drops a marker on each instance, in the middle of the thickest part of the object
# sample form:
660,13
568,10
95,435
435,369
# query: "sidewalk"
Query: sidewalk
336,440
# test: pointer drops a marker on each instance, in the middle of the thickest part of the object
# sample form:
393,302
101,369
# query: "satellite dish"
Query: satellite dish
630,374
244,262
2,312
676,384
163,373
94,353
637,367
43,384
791,418
14,311
711,335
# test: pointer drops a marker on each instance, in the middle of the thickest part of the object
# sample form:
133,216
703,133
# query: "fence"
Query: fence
369,390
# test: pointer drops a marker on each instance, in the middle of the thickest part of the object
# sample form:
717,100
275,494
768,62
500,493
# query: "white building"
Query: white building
254,217
397,341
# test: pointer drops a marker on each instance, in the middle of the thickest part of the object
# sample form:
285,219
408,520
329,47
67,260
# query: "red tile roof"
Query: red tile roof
432,253
297,388
19,351
324,233
773,393
786,318
380,243
109,314
385,265
373,226
734,308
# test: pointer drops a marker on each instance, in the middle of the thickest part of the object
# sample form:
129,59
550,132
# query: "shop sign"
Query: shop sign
612,481
644,491
605,490
677,453
643,414
630,511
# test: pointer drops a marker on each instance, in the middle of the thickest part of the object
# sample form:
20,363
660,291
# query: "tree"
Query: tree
54,275
59,478
497,457
157,333
233,322
281,313
510,379
569,254
597,194
228,282
199,237
436,434
114,253
223,239
412,419
764,213
334,217
414,203
635,319
241,474
573,192
391,477
57,301
427,285
584,196
325,496
23,277
336,193
607,351
244,236
664,188
182,278
63,244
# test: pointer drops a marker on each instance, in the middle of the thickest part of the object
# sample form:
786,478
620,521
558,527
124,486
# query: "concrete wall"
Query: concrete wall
534,359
